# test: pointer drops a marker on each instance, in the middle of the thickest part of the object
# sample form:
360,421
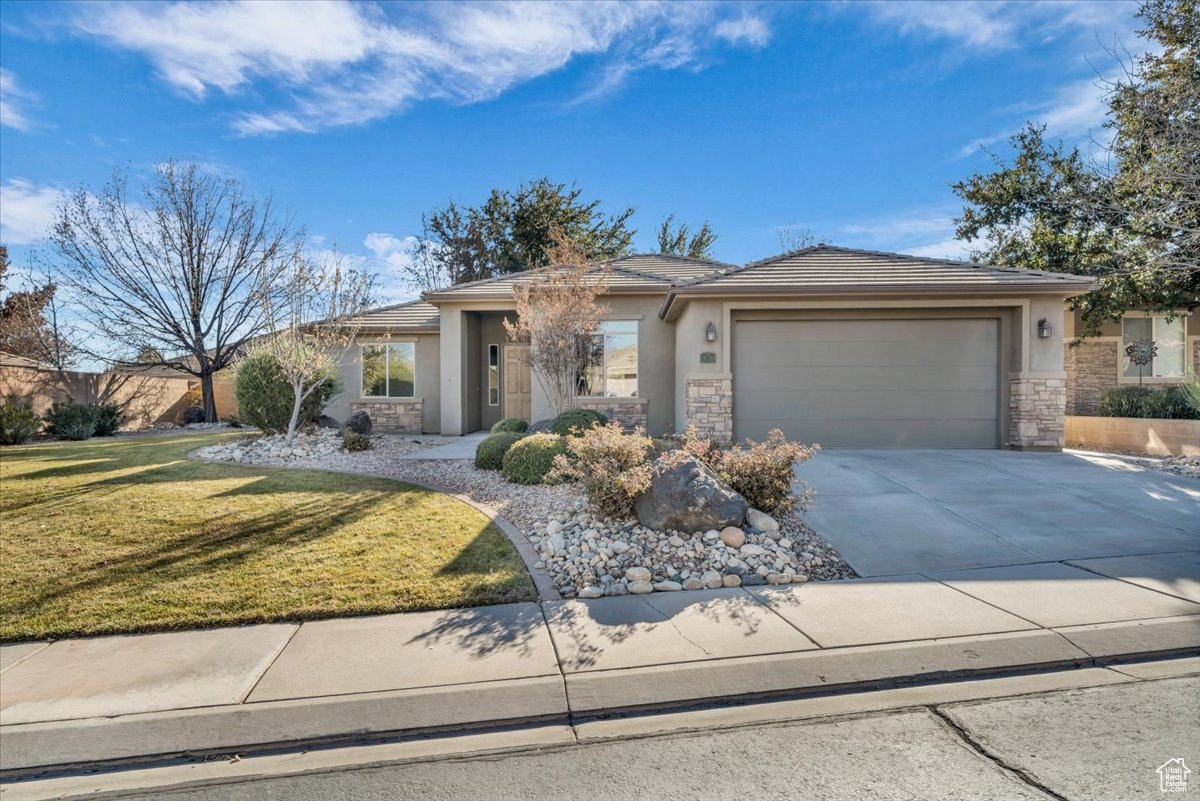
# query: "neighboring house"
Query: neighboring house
832,345
1097,363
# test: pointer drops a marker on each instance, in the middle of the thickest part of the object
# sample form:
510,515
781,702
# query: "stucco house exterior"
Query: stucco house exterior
848,348
1097,363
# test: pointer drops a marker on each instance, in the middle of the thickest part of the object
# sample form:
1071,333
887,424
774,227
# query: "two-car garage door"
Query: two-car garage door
916,383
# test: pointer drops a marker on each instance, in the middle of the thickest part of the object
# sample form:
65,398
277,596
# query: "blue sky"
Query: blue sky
849,119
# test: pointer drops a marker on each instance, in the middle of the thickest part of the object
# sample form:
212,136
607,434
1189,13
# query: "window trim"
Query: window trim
362,388
1152,379
493,368
637,337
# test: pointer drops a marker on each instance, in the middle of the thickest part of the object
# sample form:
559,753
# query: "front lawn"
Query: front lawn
127,535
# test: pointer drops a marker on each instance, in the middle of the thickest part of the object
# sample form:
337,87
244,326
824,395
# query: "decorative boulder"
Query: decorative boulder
688,496
325,421
359,423
539,427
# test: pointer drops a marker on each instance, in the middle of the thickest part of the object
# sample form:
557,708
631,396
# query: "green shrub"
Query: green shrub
265,396
1169,403
191,414
1191,395
613,467
108,418
18,423
353,441
511,424
531,458
67,420
575,421
762,471
489,454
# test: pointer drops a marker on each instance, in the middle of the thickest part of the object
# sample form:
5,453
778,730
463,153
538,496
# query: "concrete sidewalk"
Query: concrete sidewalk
237,689
450,448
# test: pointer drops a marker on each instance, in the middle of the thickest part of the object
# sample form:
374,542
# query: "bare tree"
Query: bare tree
30,322
313,320
558,309
794,238
179,271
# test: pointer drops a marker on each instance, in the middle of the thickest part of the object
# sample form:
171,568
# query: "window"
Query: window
388,370
611,355
493,375
1168,338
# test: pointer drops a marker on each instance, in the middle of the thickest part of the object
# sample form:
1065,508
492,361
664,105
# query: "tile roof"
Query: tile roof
415,315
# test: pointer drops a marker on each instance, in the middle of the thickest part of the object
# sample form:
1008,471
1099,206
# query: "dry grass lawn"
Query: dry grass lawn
128,535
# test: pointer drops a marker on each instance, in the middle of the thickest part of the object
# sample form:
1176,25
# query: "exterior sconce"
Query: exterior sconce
710,332
1045,330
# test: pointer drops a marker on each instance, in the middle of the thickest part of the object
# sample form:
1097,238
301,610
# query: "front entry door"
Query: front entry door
518,389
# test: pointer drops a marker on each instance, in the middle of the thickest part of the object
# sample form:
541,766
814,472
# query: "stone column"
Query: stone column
708,406
1036,413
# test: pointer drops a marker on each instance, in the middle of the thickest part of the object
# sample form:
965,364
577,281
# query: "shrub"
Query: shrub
1156,402
67,420
489,454
265,396
530,459
232,421
613,467
191,414
762,471
575,421
18,423
353,441
108,418
1191,395
511,424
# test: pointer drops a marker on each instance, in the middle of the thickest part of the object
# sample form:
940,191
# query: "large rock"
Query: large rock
359,423
539,427
325,421
689,497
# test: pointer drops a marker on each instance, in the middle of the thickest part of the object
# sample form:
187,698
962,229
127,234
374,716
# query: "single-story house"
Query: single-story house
833,345
1097,363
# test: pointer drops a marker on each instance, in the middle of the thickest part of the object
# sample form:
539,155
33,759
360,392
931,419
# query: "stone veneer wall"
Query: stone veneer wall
391,416
1036,412
628,414
1091,368
708,407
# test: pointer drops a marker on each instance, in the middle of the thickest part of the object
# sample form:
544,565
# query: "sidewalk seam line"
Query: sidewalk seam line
986,603
29,655
772,610
242,701
1131,583
562,674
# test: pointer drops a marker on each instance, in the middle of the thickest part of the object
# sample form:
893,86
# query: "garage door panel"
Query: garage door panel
902,433
903,377
869,383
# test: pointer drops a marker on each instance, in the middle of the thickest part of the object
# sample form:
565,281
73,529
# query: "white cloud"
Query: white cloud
979,25
1076,110
12,102
26,211
345,63
918,232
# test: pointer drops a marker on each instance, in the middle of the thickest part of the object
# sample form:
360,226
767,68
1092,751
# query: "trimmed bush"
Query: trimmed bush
574,422
68,420
612,466
191,414
353,441
530,459
1164,403
489,454
762,471
108,418
511,424
18,423
265,396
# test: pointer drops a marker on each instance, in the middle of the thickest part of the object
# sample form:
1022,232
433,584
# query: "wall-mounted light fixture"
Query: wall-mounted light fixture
1045,330
710,332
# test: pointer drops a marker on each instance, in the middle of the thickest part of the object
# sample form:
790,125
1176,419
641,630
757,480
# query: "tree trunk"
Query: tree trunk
298,401
209,398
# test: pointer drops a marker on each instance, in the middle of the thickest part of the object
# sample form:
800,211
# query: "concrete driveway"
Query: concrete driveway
891,512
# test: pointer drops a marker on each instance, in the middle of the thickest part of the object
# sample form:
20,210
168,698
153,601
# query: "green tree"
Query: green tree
1132,221
511,232
677,240
29,324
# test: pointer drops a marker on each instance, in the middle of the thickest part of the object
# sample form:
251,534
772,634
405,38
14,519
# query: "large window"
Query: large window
388,371
1169,339
611,356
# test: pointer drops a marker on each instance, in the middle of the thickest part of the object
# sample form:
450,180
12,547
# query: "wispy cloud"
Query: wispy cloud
26,211
919,232
347,63
1076,110
13,101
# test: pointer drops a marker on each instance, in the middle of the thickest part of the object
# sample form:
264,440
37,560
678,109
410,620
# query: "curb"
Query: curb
158,738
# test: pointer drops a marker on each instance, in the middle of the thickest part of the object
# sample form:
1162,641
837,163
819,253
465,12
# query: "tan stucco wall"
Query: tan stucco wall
1074,325
690,343
427,379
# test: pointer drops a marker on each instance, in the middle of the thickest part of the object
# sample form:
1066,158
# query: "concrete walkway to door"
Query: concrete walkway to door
890,512
453,448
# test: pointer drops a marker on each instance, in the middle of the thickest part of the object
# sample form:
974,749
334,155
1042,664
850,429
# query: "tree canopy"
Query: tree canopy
511,232
682,242
29,325
1132,219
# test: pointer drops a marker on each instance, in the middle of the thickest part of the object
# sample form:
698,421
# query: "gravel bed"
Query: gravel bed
1187,466
584,555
